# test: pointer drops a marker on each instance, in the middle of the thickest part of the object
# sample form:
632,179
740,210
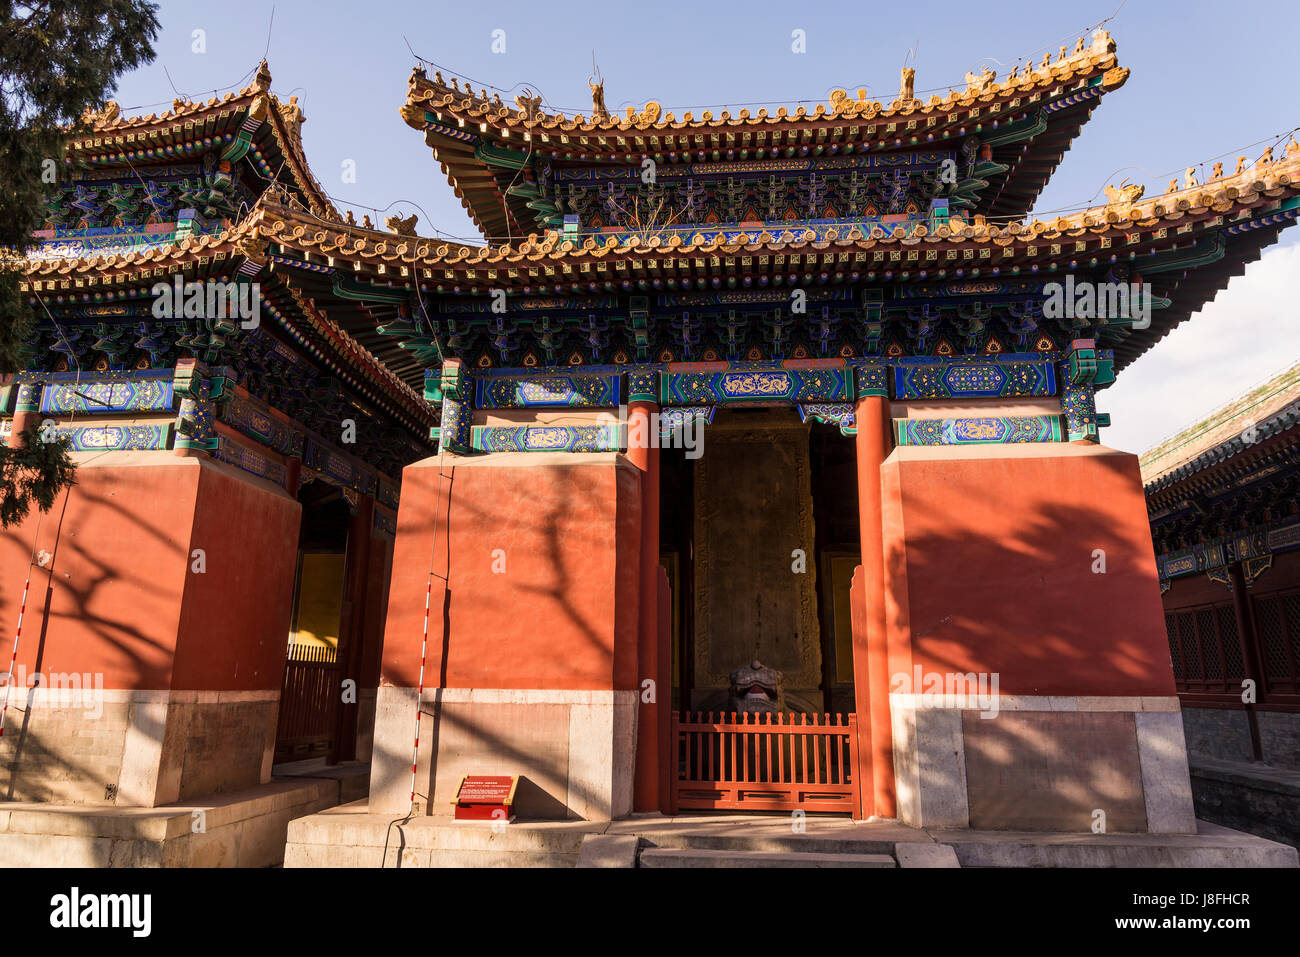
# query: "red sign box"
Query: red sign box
485,797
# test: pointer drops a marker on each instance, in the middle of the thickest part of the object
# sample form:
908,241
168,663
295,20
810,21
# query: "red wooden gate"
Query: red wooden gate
309,701
765,762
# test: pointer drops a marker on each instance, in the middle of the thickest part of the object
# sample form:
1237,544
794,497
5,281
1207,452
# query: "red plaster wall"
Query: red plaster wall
118,602
235,618
562,616
989,569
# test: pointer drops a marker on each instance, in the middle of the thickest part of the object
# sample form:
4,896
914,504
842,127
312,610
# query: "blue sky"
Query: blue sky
1207,79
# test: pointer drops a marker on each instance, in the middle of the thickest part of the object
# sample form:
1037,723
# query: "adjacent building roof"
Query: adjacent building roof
1266,411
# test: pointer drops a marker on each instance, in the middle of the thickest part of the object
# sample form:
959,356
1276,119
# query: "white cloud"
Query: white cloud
1247,334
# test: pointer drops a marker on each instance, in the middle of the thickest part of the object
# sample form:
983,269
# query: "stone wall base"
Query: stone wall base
574,751
1063,764
135,748
243,829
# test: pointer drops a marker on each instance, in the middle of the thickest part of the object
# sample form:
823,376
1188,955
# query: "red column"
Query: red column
1246,637
25,409
871,664
643,450
16,432
292,475
353,623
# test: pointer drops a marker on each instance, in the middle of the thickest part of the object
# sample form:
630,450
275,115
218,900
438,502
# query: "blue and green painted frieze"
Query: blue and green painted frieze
117,438
971,378
255,419
338,468
738,383
105,393
839,414
548,390
546,438
987,430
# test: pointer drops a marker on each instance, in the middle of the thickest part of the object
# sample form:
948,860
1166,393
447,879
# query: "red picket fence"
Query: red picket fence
765,762
309,702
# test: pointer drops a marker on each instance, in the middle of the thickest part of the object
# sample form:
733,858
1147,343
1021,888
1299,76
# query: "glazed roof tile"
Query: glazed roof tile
464,116
112,138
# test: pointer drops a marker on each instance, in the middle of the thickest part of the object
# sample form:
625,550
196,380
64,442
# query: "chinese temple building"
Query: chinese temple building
1224,501
738,437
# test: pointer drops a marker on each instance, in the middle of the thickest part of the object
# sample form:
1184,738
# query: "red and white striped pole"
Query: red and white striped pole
13,658
419,711
424,640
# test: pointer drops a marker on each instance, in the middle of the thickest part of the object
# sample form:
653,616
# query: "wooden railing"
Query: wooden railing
309,701
765,762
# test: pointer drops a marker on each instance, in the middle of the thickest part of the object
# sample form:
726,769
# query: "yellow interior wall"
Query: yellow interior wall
320,600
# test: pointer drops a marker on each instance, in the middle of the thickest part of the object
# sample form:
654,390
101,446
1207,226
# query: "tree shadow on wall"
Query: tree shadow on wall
1059,602
555,579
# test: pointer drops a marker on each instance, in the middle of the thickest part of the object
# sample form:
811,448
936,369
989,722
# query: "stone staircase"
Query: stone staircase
700,849
698,857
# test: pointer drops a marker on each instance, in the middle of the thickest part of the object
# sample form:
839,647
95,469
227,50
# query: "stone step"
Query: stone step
315,855
764,842
438,834
695,857
497,859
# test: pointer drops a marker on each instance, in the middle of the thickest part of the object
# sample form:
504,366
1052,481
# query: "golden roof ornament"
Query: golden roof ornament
906,84
598,111
292,113
982,82
413,113
1125,195
1102,42
528,105
262,81
403,227
649,115
842,105
107,114
253,248
1266,158
1189,178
